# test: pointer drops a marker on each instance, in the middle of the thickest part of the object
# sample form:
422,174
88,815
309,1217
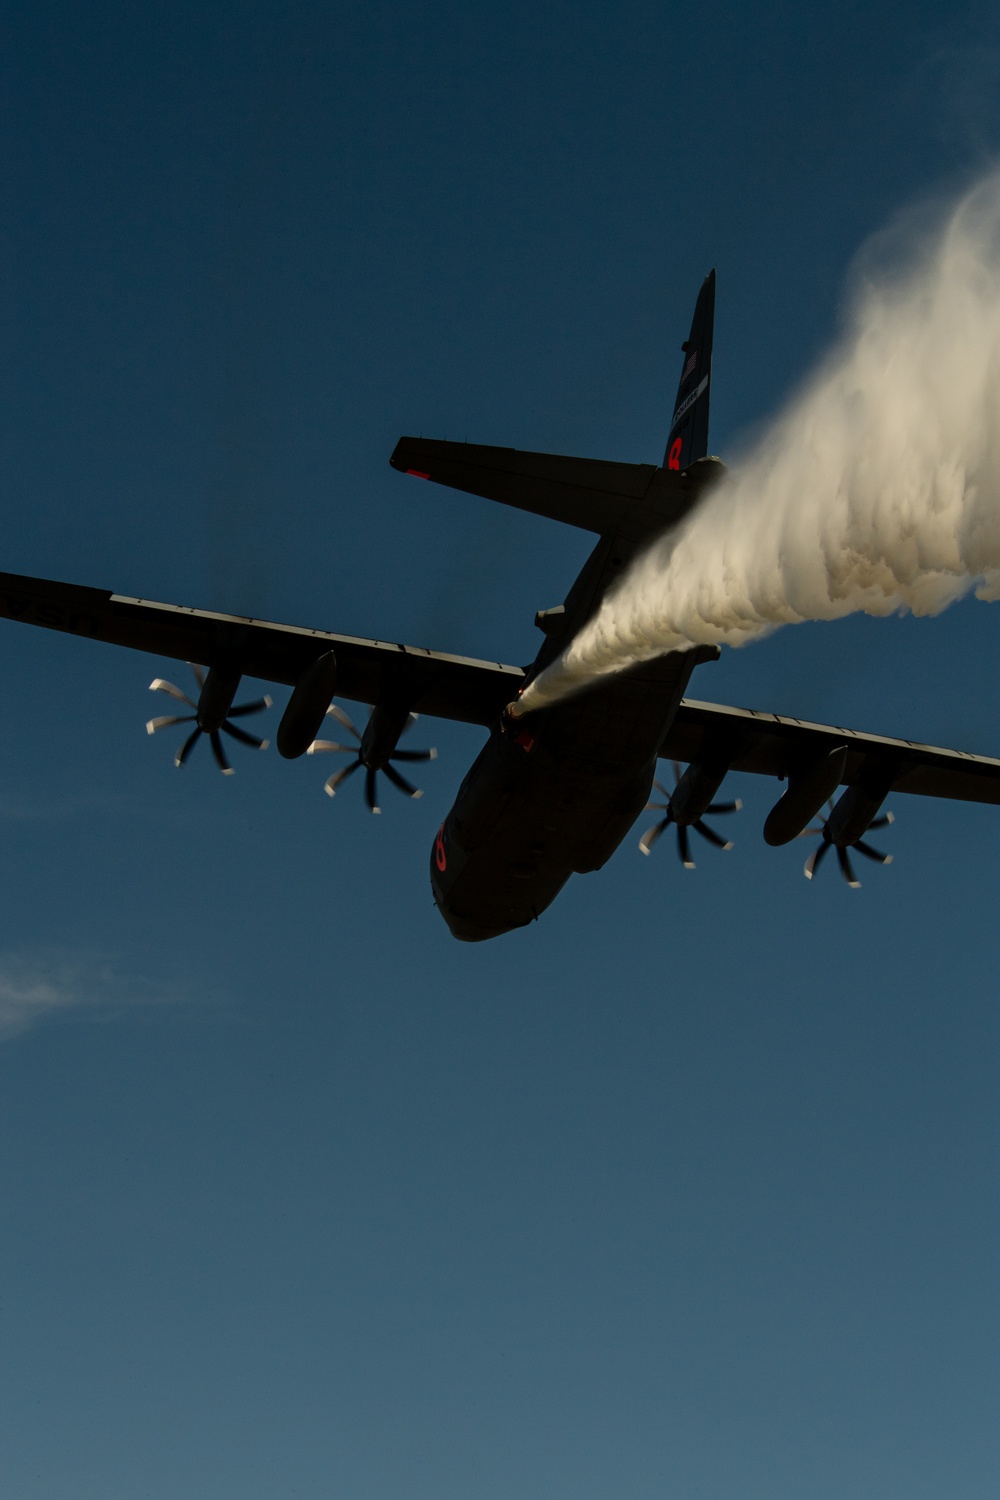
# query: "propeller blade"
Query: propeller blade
847,869
243,737
181,757
883,821
318,746
684,845
652,834
711,835
199,673
723,807
256,707
336,712
870,853
332,782
220,754
402,783
371,790
414,755
659,787
677,772
813,862
152,725
160,685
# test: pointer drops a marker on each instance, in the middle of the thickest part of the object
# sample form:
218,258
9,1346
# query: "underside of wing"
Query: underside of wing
476,692
774,746
427,682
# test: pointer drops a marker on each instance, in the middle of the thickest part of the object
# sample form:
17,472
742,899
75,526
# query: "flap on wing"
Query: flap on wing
608,498
430,682
771,746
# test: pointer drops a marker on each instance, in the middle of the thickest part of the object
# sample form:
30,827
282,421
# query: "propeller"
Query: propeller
714,809
211,714
364,759
812,864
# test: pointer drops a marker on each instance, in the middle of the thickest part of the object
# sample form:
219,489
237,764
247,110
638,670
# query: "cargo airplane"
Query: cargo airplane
554,792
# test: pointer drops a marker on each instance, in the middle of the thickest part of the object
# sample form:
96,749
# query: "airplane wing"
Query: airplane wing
430,682
472,692
772,746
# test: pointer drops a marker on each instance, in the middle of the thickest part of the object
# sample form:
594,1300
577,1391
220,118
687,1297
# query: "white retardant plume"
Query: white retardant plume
877,490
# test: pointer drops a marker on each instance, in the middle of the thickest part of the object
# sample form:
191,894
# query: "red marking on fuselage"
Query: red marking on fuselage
440,858
674,461
417,474
526,740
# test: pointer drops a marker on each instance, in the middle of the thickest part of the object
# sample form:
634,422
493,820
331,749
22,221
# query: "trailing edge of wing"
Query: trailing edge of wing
771,746
631,500
431,682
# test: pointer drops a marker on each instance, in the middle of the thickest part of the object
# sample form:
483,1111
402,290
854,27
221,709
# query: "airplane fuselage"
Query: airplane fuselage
526,818
553,794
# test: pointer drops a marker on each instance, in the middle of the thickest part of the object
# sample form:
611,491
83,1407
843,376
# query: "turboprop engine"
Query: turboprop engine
687,806
852,815
213,712
374,750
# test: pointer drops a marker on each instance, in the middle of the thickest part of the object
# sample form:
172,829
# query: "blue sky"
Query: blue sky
690,1189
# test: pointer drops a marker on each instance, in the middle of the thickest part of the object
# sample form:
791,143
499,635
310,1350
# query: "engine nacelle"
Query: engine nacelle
303,718
381,736
216,699
858,807
852,815
694,793
809,787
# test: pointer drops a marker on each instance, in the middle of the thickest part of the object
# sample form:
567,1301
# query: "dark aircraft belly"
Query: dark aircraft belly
531,814
509,878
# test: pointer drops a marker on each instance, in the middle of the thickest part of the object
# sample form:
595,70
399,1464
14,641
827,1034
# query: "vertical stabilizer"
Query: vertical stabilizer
688,438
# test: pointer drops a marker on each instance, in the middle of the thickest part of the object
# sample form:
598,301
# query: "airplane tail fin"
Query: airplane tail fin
688,436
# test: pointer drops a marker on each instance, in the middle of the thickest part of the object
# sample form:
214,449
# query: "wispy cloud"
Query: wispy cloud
23,1001
57,807
35,989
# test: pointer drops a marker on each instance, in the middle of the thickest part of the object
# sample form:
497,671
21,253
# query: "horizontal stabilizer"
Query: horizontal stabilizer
632,500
